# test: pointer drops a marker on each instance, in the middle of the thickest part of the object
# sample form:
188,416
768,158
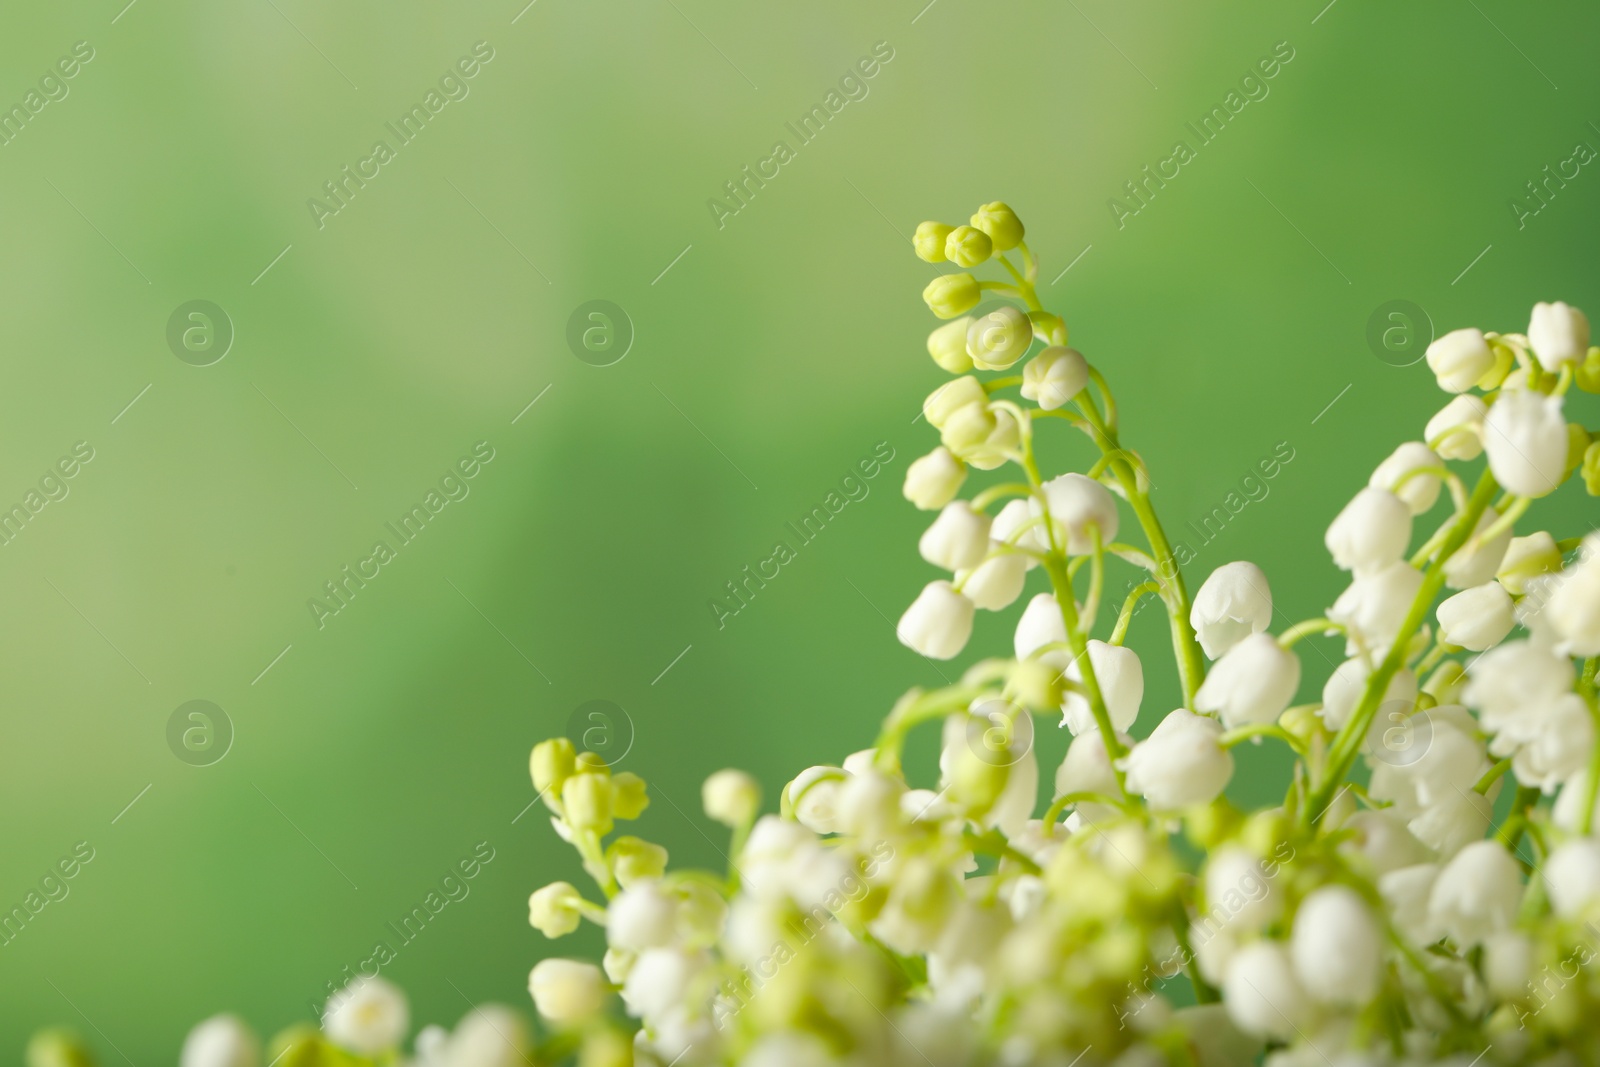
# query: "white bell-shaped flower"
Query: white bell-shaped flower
1559,333
1053,377
1417,491
1348,683
1375,606
1008,529
1077,505
1253,682
995,582
958,538
1121,679
1234,602
1525,436
1262,995
1478,618
1476,894
1337,947
938,623
1181,763
932,481
1574,607
1371,532
1459,359
1456,432
1239,894
369,1016
221,1041
1041,624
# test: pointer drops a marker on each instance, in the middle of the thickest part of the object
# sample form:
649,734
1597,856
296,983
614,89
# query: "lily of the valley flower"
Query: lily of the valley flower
938,623
1234,602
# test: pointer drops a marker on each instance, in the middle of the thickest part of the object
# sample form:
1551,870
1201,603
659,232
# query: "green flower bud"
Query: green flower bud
586,799
1591,469
950,295
629,797
998,339
606,1048
1209,825
1587,376
303,1045
1001,224
948,345
1577,446
732,798
1445,683
1048,327
967,246
58,1048
1528,557
929,241
1303,722
554,910
551,764
633,860
1034,684
950,398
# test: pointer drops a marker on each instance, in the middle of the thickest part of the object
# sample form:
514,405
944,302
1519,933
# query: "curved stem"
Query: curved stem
1290,637
1261,729
1347,743
1125,616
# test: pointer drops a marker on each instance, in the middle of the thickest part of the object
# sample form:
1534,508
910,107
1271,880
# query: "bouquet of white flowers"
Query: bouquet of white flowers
1439,913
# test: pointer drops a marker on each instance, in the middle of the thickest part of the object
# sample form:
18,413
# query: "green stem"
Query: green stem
1491,776
1261,729
1125,616
1347,743
1299,630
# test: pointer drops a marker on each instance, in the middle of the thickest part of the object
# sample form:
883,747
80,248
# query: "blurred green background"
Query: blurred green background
768,356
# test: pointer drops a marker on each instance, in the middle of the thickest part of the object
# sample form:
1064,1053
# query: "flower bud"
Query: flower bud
1078,506
221,1041
982,436
551,764
1337,947
57,1048
1419,490
938,623
554,910
1459,359
929,241
606,1048
1559,333
1253,682
1007,528
932,481
967,246
1587,376
1477,560
995,582
1577,445
1053,377
1034,684
1233,603
947,345
1456,431
1478,618
586,799
1371,532
731,798
1348,682
1181,763
1572,876
999,338
950,295
634,860
1528,557
1591,469
1001,224
1261,993
958,538
1049,327
1526,439
950,398
1375,606
629,796
567,991
813,797
1445,684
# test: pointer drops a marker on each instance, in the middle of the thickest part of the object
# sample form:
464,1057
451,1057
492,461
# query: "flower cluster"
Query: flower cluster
1425,893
